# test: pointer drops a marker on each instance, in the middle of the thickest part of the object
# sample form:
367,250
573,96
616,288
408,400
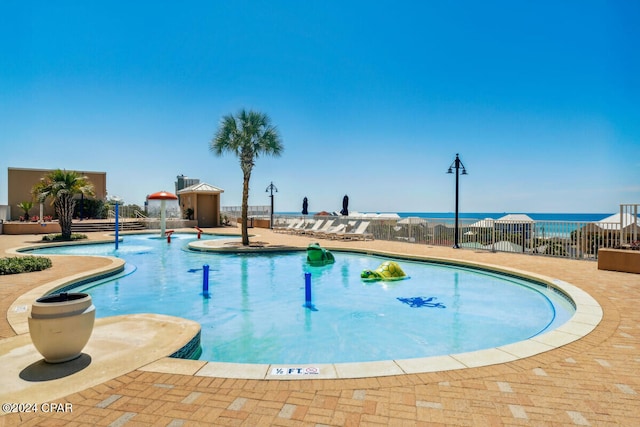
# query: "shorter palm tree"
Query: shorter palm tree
61,186
26,207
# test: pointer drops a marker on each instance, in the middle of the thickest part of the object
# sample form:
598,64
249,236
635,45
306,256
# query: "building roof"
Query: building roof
484,223
412,220
201,187
520,218
613,222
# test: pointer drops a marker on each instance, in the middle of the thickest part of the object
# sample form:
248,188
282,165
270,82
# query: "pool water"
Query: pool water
256,313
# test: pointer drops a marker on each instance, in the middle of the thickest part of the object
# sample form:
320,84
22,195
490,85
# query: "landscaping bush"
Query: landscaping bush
58,237
26,264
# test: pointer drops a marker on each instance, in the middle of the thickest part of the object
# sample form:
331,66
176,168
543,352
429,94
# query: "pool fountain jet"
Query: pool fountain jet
163,196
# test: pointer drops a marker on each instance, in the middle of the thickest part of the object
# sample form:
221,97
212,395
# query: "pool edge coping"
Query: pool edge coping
588,315
586,318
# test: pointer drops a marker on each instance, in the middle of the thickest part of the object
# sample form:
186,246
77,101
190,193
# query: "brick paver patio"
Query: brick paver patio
593,381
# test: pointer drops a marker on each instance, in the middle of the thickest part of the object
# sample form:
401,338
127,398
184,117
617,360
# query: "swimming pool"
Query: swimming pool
255,313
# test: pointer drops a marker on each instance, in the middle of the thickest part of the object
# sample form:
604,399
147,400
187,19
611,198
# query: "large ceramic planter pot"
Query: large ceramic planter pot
60,325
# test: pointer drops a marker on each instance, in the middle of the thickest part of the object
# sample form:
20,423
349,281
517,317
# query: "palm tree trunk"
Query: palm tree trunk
64,208
245,209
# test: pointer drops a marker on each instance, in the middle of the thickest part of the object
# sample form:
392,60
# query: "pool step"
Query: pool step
93,226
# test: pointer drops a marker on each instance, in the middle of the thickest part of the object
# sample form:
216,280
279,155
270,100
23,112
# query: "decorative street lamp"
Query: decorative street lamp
457,164
116,201
271,188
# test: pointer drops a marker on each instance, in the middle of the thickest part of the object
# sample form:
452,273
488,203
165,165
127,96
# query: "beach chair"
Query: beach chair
292,224
306,225
327,233
322,229
297,227
310,230
358,234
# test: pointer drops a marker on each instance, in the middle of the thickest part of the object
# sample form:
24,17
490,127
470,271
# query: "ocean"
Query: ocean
568,217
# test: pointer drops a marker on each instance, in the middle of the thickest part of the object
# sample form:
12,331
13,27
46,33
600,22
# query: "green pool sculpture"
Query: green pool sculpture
388,270
319,256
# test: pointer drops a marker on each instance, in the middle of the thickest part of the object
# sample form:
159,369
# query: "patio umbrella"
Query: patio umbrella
345,206
305,206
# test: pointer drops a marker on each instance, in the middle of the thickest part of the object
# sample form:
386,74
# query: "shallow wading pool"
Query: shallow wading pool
256,313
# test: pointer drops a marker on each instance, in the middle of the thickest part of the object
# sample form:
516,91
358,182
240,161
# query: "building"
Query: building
515,224
184,182
204,202
20,181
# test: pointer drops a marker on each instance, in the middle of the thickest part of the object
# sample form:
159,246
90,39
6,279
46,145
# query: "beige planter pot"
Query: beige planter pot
60,325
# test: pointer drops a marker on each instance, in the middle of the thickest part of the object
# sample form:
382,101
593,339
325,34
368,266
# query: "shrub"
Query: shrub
58,237
26,264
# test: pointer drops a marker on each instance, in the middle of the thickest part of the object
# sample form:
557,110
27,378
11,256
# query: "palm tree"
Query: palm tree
248,135
26,207
61,186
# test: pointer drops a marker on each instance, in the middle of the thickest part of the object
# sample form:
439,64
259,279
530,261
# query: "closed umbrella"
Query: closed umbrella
345,206
305,207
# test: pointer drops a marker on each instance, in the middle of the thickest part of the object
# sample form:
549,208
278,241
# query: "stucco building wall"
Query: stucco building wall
21,180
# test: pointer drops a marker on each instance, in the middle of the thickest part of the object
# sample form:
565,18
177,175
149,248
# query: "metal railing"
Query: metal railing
126,213
629,223
139,215
568,239
232,213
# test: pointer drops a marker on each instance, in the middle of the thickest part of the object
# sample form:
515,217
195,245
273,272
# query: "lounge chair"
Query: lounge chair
292,224
327,234
315,227
322,229
358,234
306,225
296,228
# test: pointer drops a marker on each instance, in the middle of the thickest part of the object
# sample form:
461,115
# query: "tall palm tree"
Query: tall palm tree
61,186
248,135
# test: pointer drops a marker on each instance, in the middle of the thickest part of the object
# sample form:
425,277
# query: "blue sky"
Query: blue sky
372,99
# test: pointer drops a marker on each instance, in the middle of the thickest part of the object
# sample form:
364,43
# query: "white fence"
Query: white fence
577,240
234,212
629,224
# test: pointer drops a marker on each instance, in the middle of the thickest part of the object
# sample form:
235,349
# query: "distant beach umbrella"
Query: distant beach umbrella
305,206
345,206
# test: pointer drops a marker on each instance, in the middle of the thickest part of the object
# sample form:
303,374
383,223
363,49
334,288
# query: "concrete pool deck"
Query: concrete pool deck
593,380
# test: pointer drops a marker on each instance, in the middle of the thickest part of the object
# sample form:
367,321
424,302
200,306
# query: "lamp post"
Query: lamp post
117,227
271,188
457,164
82,203
116,201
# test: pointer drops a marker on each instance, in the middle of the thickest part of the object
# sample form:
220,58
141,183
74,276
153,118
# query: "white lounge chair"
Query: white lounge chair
292,224
315,227
306,225
296,228
358,234
322,229
327,234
